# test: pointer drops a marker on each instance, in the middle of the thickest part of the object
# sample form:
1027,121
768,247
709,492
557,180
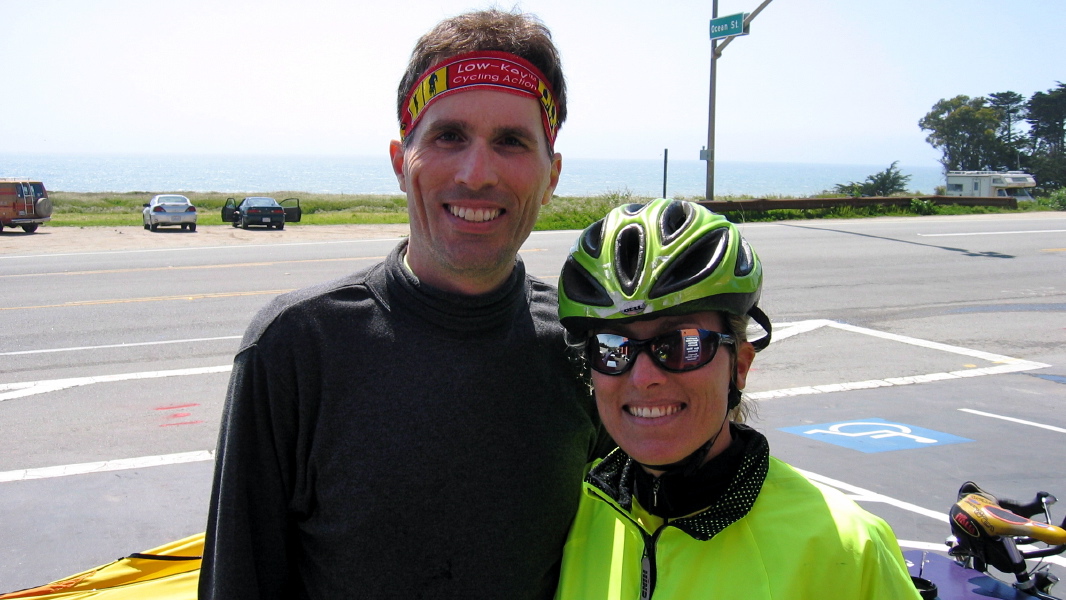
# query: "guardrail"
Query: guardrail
764,204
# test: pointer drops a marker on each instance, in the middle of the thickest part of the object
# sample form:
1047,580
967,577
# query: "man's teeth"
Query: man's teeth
475,215
652,412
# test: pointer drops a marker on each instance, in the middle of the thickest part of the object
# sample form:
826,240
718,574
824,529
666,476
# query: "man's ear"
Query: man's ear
556,169
396,156
745,356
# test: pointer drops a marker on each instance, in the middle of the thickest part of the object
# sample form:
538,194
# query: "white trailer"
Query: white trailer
991,184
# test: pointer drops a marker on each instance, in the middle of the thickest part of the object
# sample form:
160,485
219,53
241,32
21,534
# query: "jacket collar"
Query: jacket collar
615,477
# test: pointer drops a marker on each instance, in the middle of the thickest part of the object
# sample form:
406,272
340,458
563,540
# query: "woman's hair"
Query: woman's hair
521,34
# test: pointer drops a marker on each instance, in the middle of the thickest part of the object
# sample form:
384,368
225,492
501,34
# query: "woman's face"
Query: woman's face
659,417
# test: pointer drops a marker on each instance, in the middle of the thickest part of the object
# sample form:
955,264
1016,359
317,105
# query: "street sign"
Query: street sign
724,27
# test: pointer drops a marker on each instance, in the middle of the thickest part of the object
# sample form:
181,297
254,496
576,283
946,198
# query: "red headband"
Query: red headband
500,71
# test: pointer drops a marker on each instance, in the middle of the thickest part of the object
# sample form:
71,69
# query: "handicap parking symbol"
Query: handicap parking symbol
875,435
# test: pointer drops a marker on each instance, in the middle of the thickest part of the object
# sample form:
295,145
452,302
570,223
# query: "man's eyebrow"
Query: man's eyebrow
515,130
520,131
447,125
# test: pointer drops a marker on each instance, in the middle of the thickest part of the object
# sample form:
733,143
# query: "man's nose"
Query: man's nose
477,167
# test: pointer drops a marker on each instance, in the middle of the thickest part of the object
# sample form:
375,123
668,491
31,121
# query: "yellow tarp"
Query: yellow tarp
173,576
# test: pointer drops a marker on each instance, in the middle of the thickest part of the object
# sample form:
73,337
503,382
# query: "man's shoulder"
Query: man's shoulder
542,291
312,303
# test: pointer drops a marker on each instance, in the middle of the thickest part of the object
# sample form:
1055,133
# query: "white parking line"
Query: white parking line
859,494
1013,420
1006,364
30,388
106,465
129,345
990,233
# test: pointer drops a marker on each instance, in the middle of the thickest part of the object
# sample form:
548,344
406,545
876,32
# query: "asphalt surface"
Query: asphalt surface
927,351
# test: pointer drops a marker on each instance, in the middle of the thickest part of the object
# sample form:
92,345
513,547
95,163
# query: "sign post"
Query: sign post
726,28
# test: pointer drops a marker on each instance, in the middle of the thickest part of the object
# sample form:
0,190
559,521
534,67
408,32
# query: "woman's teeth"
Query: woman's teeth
652,412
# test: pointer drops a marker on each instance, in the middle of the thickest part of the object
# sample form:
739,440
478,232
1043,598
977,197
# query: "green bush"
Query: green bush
923,207
1056,200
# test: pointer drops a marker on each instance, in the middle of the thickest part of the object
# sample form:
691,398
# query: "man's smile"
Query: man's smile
474,215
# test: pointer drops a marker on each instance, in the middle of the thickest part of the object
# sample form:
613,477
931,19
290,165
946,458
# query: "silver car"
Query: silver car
169,209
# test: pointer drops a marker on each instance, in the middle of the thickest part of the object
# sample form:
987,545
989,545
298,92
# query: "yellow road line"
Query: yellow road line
1054,250
149,299
149,269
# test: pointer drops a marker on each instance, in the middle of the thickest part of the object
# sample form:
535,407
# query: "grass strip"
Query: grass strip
112,209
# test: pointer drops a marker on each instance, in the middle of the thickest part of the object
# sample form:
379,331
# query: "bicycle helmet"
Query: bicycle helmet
667,257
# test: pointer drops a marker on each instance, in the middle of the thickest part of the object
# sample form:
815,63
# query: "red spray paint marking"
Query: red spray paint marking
179,415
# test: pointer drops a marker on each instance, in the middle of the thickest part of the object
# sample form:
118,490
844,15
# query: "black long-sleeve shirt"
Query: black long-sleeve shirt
382,438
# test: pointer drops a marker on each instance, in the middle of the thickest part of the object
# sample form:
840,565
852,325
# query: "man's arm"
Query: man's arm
249,535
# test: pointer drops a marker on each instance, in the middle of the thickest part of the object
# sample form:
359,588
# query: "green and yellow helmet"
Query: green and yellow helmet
667,257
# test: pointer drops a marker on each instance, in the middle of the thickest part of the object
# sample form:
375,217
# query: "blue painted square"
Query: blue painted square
875,435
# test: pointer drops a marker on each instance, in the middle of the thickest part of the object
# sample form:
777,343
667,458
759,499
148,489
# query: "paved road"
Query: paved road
116,351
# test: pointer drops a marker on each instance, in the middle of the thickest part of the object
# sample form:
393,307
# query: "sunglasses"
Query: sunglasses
674,351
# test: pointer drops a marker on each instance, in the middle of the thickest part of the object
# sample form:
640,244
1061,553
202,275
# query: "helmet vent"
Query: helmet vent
579,286
632,209
674,220
745,262
696,263
629,257
592,240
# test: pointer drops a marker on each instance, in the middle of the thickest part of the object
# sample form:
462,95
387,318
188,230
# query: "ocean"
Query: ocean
373,175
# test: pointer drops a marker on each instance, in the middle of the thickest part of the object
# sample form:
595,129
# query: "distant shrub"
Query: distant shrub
1056,200
923,207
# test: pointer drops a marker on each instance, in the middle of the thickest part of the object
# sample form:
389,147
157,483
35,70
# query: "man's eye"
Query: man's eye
513,141
448,136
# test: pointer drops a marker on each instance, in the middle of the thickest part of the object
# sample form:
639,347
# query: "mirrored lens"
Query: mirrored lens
675,351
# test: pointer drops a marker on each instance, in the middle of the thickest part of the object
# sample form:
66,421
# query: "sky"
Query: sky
816,81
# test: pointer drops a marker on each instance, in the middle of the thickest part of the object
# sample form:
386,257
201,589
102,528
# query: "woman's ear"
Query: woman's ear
745,356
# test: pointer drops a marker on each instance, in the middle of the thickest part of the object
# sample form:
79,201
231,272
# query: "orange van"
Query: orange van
23,203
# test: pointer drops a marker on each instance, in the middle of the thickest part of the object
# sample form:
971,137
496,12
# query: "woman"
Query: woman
692,504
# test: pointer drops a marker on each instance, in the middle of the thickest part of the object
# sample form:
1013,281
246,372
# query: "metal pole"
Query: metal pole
715,52
666,154
710,113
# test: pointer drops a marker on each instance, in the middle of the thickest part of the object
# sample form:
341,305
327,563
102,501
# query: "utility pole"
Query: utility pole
728,28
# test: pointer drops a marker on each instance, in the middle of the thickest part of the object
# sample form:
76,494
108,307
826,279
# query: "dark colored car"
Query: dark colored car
261,210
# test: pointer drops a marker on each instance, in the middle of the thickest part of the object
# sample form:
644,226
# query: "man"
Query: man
417,430
692,505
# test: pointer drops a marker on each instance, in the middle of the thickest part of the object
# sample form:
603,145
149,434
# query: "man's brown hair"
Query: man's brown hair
521,34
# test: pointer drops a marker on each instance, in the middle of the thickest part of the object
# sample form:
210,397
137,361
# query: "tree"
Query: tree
964,130
1012,109
885,183
1046,114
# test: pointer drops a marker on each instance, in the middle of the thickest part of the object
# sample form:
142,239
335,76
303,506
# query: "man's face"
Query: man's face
659,417
476,171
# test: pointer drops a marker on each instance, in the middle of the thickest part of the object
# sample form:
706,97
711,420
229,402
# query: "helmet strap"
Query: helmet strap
688,465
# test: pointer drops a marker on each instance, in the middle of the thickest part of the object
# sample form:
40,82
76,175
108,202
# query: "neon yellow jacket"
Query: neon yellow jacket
788,539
